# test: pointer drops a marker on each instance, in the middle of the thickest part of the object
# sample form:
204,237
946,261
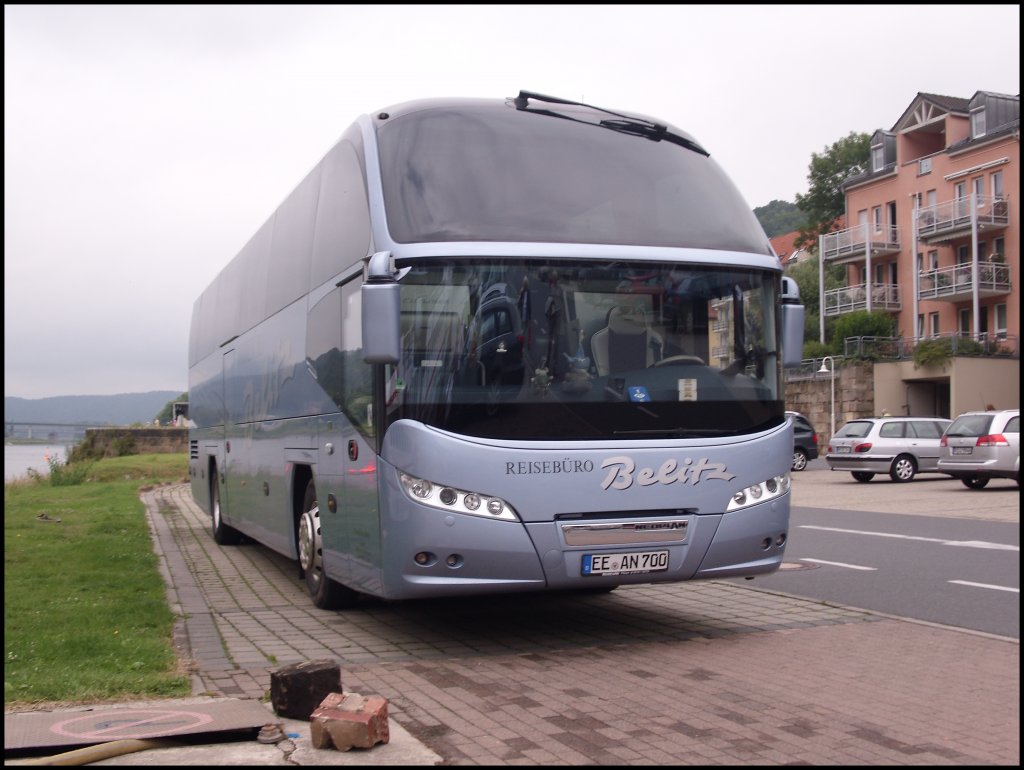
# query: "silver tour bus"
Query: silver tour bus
497,345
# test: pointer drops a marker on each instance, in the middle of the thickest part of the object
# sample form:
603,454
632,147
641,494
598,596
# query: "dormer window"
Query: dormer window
978,123
877,158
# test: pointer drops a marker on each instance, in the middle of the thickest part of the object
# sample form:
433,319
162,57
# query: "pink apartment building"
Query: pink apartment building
933,238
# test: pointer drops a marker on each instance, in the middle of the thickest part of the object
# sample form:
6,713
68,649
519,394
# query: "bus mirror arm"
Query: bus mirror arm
381,311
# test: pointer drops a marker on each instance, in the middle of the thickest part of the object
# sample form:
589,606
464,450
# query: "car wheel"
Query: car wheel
325,593
799,459
903,469
974,482
862,475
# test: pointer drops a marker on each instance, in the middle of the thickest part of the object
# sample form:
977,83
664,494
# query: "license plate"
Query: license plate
962,450
624,563
843,449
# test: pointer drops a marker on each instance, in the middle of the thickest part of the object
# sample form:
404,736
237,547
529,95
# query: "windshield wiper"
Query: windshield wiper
626,124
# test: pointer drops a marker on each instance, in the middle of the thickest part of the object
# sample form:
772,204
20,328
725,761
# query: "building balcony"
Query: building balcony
956,284
883,296
854,243
955,219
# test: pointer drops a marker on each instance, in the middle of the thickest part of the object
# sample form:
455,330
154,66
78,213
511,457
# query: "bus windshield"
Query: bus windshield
543,349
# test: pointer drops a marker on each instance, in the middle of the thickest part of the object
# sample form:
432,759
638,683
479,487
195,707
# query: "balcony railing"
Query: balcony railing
884,296
853,242
956,284
953,219
996,345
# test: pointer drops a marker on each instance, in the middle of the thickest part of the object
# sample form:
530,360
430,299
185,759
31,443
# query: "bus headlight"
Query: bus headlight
447,498
759,493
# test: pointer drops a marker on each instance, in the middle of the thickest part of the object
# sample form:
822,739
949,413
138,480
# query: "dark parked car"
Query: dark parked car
805,441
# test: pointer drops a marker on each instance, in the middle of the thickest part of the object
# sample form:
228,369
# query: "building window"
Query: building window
933,324
920,326
876,217
978,123
979,190
924,166
1000,316
933,259
997,185
964,321
877,158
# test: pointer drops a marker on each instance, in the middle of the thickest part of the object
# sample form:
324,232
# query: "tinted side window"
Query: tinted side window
1013,426
927,429
892,430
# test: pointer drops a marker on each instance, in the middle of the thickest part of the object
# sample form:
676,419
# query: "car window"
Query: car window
891,430
927,429
854,430
970,425
1013,426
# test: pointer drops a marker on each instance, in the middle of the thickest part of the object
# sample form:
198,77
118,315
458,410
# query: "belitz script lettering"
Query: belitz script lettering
623,473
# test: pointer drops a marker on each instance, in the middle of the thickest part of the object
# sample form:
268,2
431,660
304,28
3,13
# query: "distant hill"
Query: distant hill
122,409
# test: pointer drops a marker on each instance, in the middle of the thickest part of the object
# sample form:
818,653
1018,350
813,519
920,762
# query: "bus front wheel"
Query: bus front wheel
325,593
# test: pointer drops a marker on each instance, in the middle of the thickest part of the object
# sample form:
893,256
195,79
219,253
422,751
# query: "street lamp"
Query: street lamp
831,370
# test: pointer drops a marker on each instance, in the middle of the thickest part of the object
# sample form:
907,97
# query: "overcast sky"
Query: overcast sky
144,145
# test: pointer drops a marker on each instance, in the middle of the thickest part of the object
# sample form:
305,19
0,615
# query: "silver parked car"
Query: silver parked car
899,446
980,446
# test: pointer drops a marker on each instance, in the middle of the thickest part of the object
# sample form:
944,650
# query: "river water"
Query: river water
19,458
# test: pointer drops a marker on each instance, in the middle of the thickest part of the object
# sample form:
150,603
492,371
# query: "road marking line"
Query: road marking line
985,585
840,564
939,540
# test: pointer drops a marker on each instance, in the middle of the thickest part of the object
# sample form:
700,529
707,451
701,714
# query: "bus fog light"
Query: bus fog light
423,558
781,539
453,560
766,543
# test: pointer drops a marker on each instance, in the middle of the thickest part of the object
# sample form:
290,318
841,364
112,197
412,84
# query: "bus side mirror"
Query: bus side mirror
792,324
381,311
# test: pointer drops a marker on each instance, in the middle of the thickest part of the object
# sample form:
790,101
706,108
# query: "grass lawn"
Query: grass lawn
85,610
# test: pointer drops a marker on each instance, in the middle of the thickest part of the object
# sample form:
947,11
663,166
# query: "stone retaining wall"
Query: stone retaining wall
854,393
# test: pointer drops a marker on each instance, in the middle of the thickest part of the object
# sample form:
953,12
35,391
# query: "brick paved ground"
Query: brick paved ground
692,673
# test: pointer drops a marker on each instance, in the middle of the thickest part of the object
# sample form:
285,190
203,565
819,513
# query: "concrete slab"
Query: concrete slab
212,749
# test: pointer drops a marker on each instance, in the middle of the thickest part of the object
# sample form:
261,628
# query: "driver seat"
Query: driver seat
625,343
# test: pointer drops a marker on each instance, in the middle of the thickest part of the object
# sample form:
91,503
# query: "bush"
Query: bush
815,349
864,324
933,353
61,474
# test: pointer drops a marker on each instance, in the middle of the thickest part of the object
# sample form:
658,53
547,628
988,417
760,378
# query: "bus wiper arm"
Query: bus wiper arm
627,124
653,131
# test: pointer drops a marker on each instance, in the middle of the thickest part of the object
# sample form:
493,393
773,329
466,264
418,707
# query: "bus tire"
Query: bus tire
326,594
223,534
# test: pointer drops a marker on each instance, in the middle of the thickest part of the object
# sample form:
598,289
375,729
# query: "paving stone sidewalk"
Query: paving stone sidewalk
695,673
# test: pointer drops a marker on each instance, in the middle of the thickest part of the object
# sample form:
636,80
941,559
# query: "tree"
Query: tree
779,218
805,274
825,201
